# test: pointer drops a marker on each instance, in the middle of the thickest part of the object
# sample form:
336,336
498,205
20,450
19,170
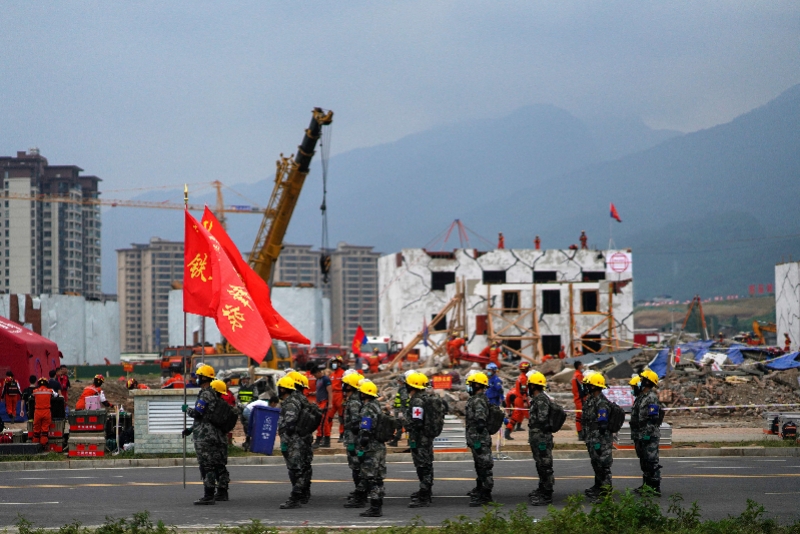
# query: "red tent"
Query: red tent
25,353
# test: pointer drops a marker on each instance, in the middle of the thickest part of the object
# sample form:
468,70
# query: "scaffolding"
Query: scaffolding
515,324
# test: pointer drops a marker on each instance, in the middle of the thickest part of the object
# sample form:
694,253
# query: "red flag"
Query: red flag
615,213
200,288
279,328
359,339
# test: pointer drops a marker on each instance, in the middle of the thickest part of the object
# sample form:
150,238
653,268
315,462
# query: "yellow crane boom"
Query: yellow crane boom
290,175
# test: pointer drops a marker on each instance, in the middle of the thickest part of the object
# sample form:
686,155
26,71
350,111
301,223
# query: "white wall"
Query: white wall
194,323
787,303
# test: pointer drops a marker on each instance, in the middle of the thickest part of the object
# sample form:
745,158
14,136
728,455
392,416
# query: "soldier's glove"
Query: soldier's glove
646,437
191,412
187,432
184,407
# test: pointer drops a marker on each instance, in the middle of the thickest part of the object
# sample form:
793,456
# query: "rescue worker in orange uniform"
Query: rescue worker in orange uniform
454,349
42,419
374,361
11,394
311,391
517,405
132,383
336,407
493,352
96,389
522,380
578,393
176,382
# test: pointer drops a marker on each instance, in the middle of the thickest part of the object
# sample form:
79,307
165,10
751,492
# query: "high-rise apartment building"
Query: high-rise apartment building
48,247
145,274
298,264
354,292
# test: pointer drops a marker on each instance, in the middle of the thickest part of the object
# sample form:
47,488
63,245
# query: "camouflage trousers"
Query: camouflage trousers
298,455
484,464
422,454
647,451
354,463
602,458
212,460
542,450
373,471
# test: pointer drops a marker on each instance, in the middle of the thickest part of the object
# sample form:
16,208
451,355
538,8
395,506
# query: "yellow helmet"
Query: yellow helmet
286,382
478,378
417,380
596,379
206,371
650,375
587,375
537,378
352,379
368,387
299,378
635,381
219,386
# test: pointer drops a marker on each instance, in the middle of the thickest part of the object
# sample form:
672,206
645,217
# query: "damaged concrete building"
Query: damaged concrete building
533,301
787,303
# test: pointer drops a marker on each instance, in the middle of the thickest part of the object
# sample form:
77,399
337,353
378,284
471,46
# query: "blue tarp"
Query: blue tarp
787,361
694,350
735,354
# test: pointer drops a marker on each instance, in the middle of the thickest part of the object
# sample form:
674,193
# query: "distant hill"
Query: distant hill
695,207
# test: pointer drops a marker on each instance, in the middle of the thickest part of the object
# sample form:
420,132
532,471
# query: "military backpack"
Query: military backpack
495,420
556,417
308,421
223,416
386,427
616,417
433,417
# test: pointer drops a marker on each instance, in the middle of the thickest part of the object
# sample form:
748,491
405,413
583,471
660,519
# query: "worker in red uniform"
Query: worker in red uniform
562,353
94,390
501,241
336,408
42,419
577,398
537,243
374,361
311,391
11,394
583,240
454,346
493,352
522,379
176,382
132,383
517,407
787,342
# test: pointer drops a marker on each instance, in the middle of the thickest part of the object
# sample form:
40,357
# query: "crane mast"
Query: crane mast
290,175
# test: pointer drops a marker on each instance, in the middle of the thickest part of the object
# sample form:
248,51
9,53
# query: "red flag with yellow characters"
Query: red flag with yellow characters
279,328
200,288
235,312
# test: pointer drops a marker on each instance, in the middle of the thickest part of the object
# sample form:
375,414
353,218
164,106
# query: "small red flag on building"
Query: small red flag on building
615,213
279,328
359,339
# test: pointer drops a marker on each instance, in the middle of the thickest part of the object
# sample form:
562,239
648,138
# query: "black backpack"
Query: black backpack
556,417
223,416
386,427
495,420
435,409
616,417
309,420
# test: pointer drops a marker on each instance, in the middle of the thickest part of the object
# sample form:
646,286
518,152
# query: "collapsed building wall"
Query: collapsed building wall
416,284
787,303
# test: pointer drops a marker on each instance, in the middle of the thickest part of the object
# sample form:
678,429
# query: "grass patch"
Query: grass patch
621,513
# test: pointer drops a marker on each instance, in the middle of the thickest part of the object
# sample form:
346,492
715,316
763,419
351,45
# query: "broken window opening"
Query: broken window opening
551,345
544,276
510,301
440,279
589,300
551,301
591,343
593,276
515,344
494,277
440,326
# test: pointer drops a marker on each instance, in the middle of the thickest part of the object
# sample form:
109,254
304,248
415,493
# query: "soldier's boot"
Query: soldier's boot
638,491
221,495
581,435
592,492
207,498
374,510
317,442
654,486
341,439
476,489
246,444
326,442
422,500
542,498
359,500
602,493
293,502
508,434
305,496
484,496
535,492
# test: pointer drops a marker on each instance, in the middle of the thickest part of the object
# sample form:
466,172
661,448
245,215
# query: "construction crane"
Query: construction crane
290,175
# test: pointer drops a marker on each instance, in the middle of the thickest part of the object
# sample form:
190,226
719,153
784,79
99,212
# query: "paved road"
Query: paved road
53,497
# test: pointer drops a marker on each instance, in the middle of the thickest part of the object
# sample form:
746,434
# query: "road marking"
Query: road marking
64,478
436,497
25,503
784,493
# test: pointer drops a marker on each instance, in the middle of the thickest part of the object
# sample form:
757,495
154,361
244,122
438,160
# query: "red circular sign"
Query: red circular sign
619,262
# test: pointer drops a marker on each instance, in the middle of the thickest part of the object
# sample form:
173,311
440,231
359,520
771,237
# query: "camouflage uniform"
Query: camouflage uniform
352,422
540,439
479,440
400,408
210,443
421,446
645,415
306,443
291,445
596,411
371,452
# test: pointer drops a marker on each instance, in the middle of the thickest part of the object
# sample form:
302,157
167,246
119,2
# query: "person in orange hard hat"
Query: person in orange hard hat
42,419
132,383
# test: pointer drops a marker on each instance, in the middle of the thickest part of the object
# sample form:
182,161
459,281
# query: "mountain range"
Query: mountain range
705,213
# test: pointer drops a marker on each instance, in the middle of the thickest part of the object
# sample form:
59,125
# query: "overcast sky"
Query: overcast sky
152,93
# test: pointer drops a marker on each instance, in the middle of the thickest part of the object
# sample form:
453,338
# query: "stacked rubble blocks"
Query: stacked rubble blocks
87,433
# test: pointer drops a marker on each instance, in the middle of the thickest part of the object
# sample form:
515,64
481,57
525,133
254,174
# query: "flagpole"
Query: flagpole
185,206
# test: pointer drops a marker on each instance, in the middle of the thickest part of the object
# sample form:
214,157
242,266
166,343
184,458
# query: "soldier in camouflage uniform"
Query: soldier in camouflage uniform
599,441
400,407
647,414
421,445
291,448
371,451
210,443
304,444
636,391
478,438
540,438
352,425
